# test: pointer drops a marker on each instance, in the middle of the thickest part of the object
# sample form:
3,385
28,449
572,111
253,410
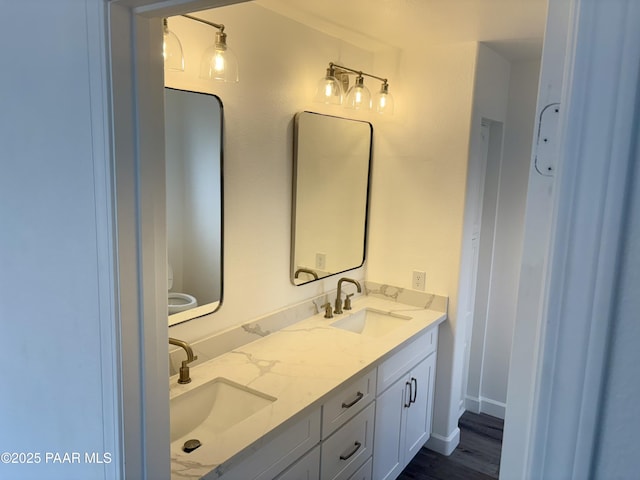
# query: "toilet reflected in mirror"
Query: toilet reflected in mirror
176,301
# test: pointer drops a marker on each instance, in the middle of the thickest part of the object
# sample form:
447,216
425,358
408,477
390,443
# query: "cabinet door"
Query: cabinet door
388,446
418,415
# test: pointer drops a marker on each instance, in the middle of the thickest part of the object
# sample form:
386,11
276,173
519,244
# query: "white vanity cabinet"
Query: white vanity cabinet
404,409
368,428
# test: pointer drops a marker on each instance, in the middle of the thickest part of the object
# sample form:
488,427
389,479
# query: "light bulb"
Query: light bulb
384,100
329,89
358,96
219,62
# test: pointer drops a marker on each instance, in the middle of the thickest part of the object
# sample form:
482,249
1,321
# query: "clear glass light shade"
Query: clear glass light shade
329,89
358,96
172,50
219,62
383,100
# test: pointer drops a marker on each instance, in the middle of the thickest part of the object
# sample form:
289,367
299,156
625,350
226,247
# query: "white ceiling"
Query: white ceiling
514,28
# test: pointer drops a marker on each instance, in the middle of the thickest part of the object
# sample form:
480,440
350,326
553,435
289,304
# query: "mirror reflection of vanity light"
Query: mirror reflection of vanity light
193,136
332,163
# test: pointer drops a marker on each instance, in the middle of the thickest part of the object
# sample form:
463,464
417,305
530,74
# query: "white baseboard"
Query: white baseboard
485,405
444,445
461,408
493,408
472,404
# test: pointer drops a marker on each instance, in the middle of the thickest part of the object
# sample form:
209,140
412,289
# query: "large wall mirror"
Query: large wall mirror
332,163
193,136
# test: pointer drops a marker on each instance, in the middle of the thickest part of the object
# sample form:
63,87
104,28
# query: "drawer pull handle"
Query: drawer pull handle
359,397
415,390
408,384
346,456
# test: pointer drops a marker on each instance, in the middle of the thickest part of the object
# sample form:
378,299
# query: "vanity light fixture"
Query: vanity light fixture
218,61
335,82
171,49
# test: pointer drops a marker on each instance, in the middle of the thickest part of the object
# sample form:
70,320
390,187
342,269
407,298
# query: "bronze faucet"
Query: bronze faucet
184,369
338,306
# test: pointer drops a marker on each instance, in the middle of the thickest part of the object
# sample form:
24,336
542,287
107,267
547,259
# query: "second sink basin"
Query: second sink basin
372,322
214,407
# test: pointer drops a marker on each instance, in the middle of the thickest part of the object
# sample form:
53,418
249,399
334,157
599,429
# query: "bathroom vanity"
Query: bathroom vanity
348,397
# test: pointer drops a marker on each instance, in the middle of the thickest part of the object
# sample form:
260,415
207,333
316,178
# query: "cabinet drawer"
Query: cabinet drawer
347,402
279,452
307,468
402,361
346,450
365,472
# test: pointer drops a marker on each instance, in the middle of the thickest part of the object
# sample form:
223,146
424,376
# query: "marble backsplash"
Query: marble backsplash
223,342
414,298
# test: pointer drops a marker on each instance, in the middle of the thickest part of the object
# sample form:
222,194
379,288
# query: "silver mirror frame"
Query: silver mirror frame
311,274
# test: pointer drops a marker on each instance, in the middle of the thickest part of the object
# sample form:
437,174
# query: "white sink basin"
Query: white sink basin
213,408
372,322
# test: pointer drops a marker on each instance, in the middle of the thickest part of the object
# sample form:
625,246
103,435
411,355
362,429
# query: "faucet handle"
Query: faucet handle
328,310
347,302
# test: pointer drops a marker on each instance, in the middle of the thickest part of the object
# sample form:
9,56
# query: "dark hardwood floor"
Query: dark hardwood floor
476,458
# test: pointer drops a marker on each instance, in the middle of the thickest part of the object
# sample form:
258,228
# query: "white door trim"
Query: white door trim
587,235
137,89
570,335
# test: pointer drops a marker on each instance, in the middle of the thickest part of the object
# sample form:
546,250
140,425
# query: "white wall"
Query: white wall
490,370
58,313
420,166
514,175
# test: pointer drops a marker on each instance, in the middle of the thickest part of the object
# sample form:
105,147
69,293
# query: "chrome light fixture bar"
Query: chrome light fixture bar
332,86
218,61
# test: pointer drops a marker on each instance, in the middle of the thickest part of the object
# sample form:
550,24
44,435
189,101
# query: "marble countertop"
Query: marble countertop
299,365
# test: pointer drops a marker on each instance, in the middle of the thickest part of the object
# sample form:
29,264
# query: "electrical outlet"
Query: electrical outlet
321,261
419,280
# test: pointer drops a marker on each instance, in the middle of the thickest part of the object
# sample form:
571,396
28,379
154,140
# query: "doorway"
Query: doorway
489,156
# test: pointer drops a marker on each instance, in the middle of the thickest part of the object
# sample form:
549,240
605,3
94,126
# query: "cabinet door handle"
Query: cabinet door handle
415,390
359,396
356,447
408,384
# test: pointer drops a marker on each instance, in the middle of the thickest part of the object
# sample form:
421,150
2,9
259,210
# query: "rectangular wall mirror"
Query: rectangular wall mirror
332,165
193,136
